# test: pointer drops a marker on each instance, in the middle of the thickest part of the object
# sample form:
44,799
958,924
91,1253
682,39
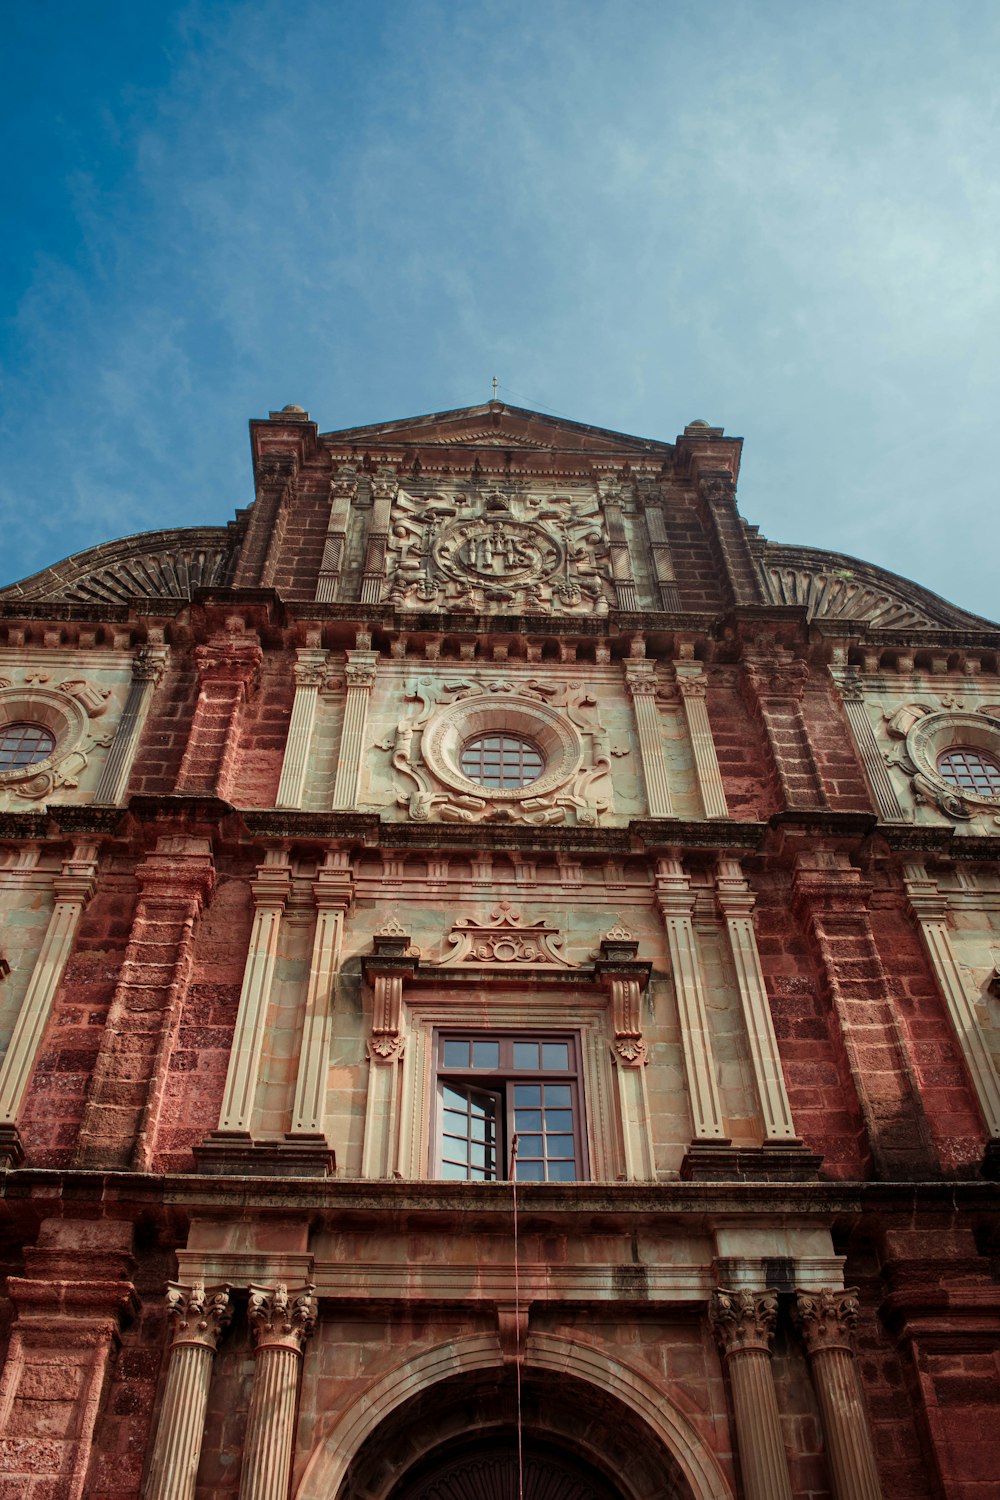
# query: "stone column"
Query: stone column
743,1322
692,687
198,1315
270,892
281,1322
641,684
361,669
333,890
147,670
72,888
825,1319
736,903
309,667
930,909
673,891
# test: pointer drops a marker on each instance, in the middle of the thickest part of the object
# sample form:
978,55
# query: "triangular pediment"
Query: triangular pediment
497,425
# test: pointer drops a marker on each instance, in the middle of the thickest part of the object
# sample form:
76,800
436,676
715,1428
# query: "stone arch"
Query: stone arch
643,1404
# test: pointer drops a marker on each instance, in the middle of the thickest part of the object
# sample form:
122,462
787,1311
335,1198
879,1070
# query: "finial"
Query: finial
494,388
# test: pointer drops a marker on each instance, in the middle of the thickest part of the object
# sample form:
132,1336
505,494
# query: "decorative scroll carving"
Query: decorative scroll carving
505,939
926,732
66,711
743,1319
827,1318
499,549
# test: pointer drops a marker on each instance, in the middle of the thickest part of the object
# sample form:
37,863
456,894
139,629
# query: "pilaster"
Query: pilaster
69,1309
384,487
777,685
343,492
309,672
930,911
72,889
361,669
130,1076
198,1316
832,901
717,502
385,969
641,683
228,670
872,758
661,557
692,687
147,670
676,902
281,1323
232,1141
743,1322
825,1319
621,563
625,978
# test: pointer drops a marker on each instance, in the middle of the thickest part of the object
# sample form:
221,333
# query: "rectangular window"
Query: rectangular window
493,1088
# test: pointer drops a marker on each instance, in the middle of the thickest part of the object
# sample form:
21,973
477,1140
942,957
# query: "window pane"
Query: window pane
455,1150
526,1056
453,1172
531,1094
530,1171
559,1145
507,759
558,1093
454,1123
527,1119
562,1171
559,1119
555,1056
456,1054
453,1099
486,1055
529,1146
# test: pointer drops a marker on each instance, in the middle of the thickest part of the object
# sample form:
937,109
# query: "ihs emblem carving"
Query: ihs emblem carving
513,551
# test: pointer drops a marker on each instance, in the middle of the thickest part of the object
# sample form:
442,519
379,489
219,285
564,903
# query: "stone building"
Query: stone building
488,794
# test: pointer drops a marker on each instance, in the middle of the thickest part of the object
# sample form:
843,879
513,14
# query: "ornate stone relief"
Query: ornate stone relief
66,709
505,938
925,731
563,721
499,548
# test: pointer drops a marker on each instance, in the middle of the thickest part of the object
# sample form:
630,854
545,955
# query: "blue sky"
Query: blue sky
782,217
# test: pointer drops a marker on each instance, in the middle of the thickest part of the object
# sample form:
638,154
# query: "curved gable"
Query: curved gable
151,565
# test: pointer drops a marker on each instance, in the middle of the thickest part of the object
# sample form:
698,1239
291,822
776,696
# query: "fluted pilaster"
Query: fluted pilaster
309,668
826,1319
743,1322
361,668
198,1315
642,686
281,1321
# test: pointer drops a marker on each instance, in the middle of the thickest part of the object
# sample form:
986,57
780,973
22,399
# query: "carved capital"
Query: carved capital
361,669
230,659
743,1319
826,1319
149,664
198,1314
280,1317
640,679
310,669
772,678
692,687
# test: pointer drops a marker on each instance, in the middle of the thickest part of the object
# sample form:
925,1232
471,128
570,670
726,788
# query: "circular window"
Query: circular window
502,760
970,770
24,744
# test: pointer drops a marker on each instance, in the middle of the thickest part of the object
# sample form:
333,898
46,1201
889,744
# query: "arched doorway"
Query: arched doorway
488,1468
457,1440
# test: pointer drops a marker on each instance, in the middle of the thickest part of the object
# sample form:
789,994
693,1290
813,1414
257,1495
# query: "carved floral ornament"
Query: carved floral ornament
562,723
926,733
66,709
505,938
506,548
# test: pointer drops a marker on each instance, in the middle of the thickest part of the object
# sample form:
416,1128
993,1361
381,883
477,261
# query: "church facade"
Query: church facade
499,993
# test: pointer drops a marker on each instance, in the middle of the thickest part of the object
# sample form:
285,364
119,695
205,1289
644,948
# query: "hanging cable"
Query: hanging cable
517,1321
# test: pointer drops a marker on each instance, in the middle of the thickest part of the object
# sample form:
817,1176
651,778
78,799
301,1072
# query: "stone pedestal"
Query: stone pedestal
743,1322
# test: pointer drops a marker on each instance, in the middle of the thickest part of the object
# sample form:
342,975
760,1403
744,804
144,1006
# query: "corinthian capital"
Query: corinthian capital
199,1314
278,1316
826,1318
743,1319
